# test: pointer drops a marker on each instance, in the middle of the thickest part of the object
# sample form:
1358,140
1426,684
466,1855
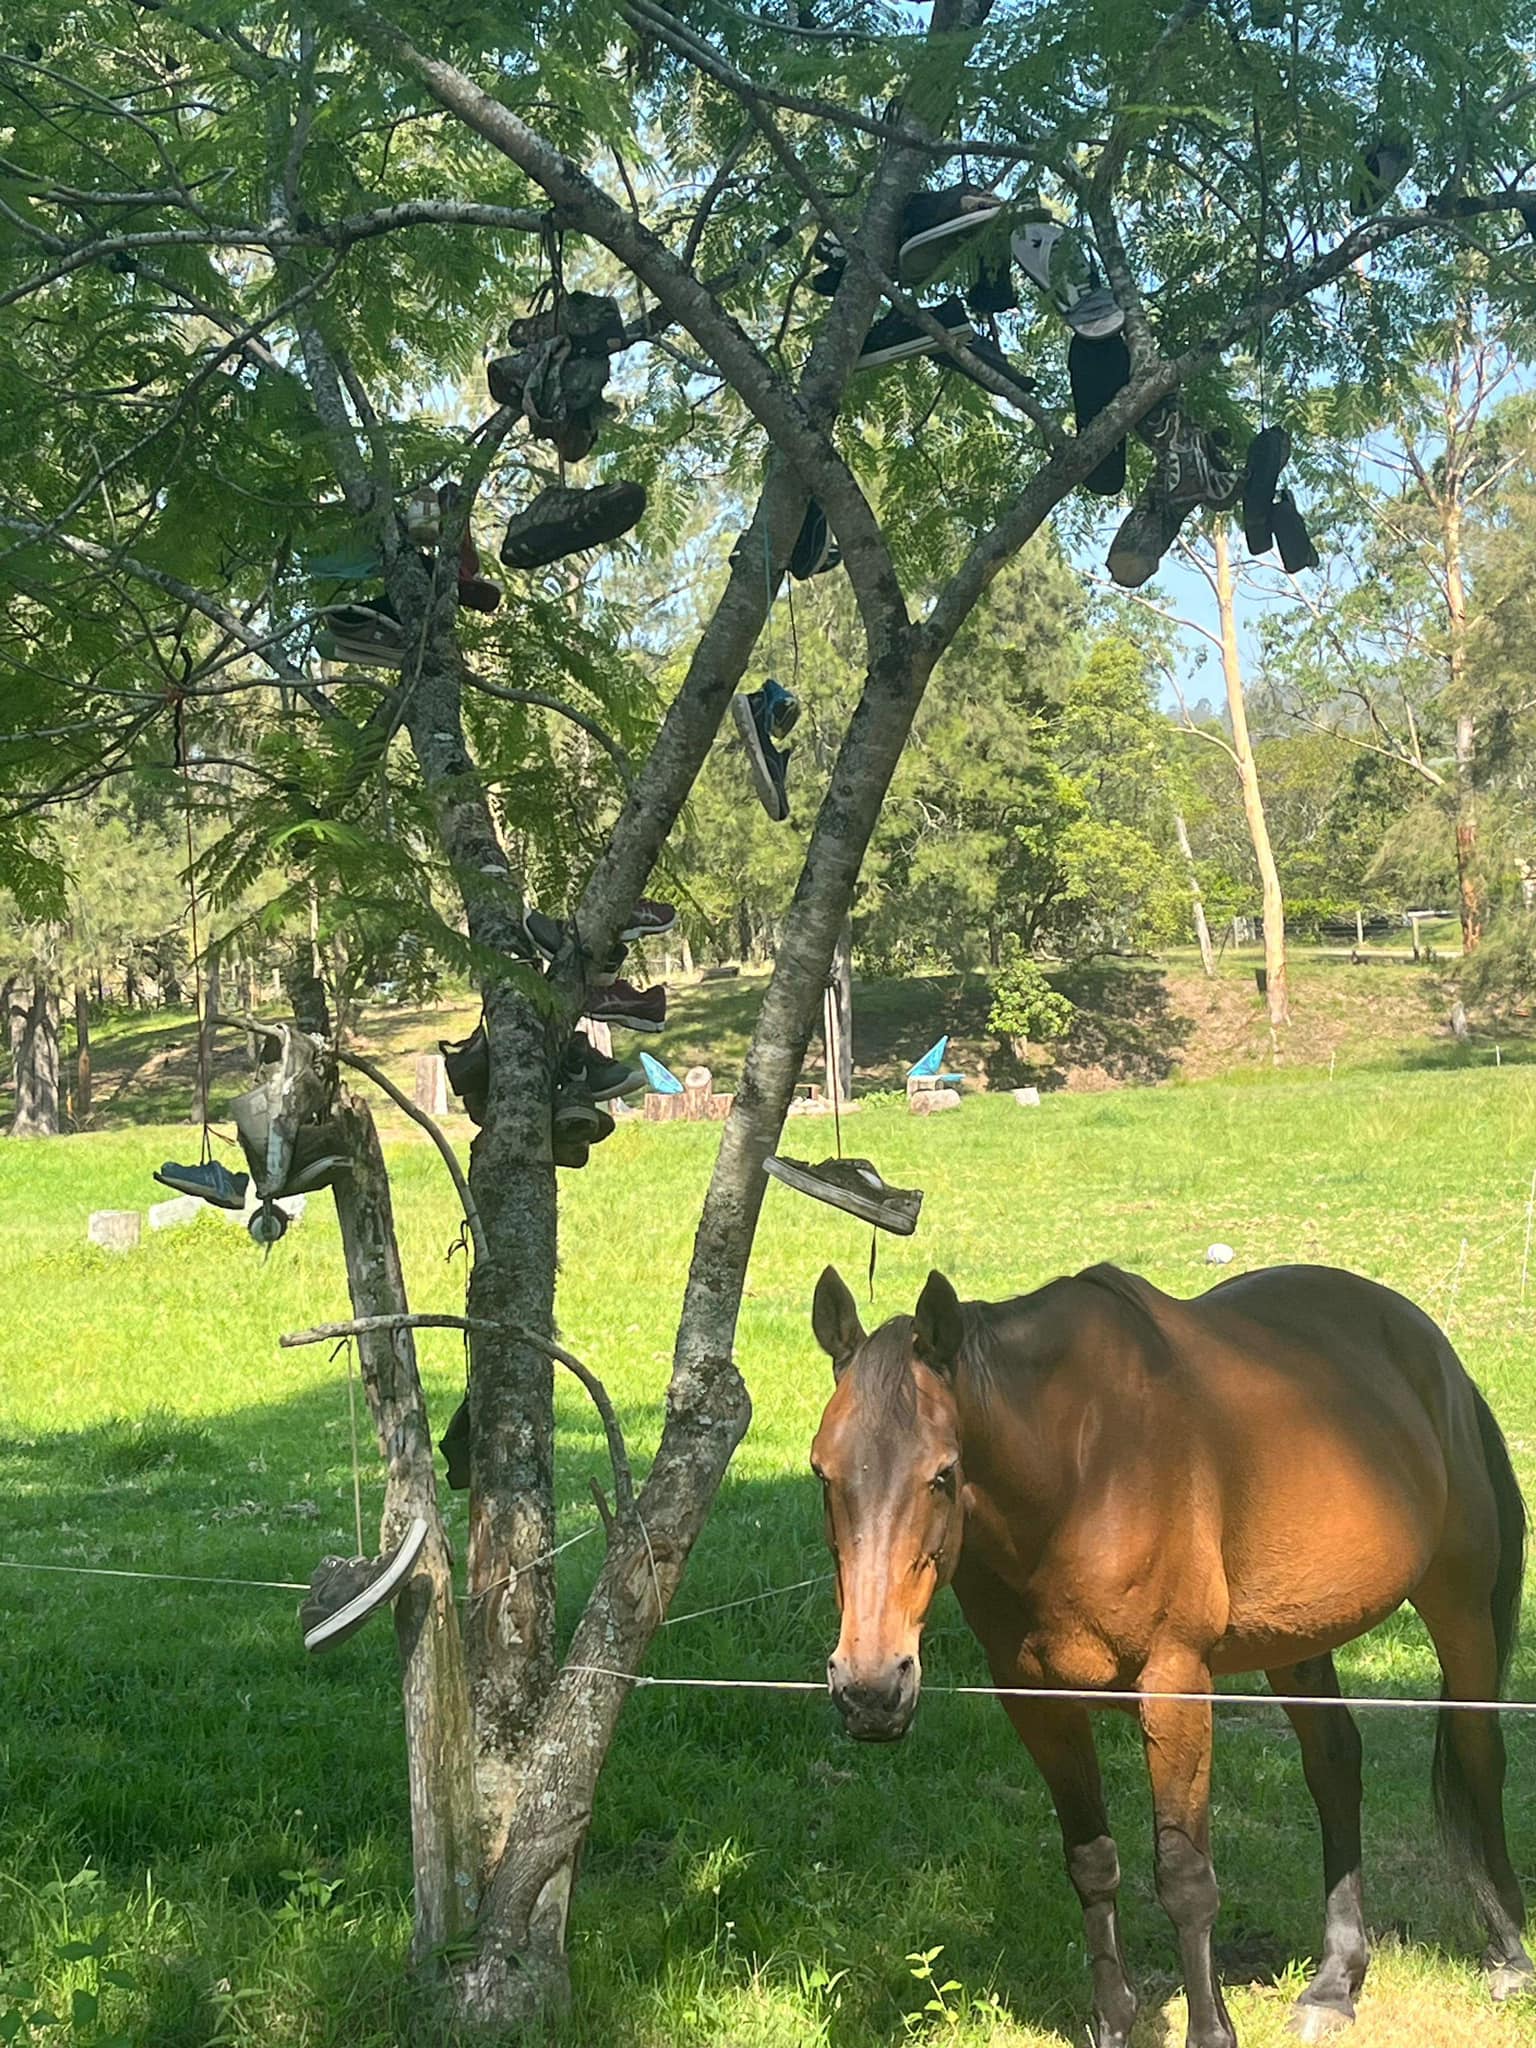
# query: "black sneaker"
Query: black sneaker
562,521
1098,372
895,336
211,1183
548,935
577,1116
344,1591
852,1185
757,717
933,222
601,1077
1291,536
1268,453
571,1152
815,550
468,1066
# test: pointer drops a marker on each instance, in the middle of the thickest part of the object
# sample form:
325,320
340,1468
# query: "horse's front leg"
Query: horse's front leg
1177,1735
1059,1738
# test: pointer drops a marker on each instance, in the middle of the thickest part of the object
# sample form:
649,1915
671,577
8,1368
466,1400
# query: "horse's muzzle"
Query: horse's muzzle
875,1706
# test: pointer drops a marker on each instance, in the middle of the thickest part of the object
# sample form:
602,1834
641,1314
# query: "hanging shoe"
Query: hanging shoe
590,322
895,336
833,258
1146,534
454,1445
761,717
1098,372
212,1182
576,1115
267,1224
1291,536
1382,168
1192,468
815,550
600,1078
468,1067
478,594
344,1591
365,634
570,1151
562,521
649,920
852,1185
1268,453
424,517
662,1079
636,1009
932,224
992,290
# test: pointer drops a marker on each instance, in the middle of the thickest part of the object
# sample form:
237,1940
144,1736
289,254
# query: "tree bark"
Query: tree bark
82,1058
1277,994
445,1834
1197,901
34,1032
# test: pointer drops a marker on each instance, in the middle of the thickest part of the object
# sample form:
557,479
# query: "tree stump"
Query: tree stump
698,1087
663,1109
115,1230
431,1083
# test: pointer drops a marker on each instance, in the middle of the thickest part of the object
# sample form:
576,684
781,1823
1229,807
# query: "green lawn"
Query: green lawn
178,1779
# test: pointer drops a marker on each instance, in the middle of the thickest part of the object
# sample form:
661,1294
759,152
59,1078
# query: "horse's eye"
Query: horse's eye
943,1482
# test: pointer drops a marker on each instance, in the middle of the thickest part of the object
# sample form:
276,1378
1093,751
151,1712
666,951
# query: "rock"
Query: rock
929,1101
115,1230
171,1215
1219,1255
1027,1098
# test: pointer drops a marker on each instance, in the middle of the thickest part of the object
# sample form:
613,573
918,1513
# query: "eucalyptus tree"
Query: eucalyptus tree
244,253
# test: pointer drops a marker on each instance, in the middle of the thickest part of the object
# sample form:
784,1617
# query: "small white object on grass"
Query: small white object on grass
1219,1255
115,1230
1027,1098
170,1215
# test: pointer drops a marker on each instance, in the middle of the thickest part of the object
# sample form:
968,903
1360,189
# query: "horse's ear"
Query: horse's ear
835,1320
937,1325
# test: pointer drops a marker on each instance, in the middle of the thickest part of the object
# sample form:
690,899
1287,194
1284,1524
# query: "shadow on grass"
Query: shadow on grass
175,1735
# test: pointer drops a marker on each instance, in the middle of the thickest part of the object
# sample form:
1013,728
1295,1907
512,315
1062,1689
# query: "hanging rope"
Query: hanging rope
180,717
357,1469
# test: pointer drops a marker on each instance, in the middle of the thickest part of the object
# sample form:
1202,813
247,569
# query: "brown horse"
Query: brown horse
1136,1493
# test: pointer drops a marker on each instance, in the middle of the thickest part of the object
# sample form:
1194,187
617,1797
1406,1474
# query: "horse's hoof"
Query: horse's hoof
1508,1982
1317,2022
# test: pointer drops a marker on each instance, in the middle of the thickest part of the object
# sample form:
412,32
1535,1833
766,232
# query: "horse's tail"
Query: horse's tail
1454,1805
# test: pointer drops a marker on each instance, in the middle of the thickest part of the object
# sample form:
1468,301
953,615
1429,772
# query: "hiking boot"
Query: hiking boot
852,1185
454,1445
637,1009
649,920
1268,453
601,1078
895,336
758,717
591,323
468,1066
933,222
815,550
344,1591
1291,536
1146,534
1098,372
212,1182
562,521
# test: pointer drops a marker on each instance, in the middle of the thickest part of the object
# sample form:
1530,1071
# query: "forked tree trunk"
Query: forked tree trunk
1277,993
34,1033
1197,900
446,1854
82,1058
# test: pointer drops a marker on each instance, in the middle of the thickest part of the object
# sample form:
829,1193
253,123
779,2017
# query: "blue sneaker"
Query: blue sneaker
767,715
210,1183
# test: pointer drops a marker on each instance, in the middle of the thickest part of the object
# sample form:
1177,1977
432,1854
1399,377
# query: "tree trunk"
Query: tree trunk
82,1059
1469,881
1197,901
34,1034
1253,802
445,1834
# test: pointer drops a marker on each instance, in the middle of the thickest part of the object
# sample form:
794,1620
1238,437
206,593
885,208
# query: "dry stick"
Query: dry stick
623,1478
429,1124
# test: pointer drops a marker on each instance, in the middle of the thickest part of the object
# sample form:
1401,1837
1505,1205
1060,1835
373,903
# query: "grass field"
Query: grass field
225,1820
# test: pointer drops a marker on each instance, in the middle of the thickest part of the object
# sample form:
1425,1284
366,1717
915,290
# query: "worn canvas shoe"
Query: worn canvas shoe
591,323
211,1183
563,521
344,1591
1146,534
622,1003
852,1185
895,336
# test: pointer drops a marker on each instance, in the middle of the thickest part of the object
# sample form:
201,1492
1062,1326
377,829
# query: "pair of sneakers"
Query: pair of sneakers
1271,517
763,717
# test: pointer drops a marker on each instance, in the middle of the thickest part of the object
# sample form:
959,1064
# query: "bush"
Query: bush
1024,1005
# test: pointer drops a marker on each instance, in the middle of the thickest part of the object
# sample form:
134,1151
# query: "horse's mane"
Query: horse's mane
885,1369
1127,1290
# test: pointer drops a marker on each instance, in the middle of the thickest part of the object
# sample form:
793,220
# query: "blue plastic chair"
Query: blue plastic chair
663,1081
928,1068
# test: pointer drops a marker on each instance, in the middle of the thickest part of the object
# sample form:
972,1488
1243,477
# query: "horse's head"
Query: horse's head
888,1458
